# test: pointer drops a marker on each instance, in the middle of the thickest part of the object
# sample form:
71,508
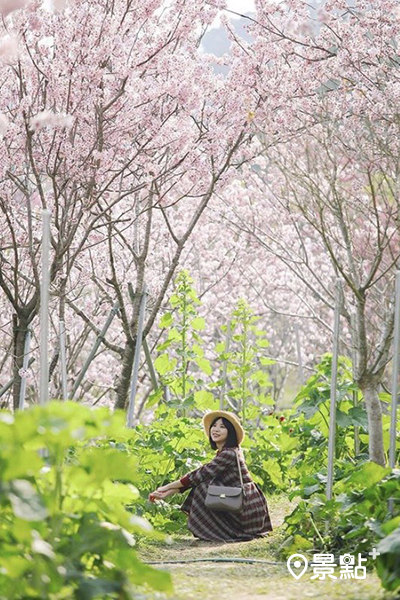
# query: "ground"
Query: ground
241,581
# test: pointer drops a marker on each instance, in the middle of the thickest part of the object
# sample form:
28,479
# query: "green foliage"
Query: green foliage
355,520
243,361
313,401
65,530
388,563
289,451
181,362
171,447
71,513
240,359
286,452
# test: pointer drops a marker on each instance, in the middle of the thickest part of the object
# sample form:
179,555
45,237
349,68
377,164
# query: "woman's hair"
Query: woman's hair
231,441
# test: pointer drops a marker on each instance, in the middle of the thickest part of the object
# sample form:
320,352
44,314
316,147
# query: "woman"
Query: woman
225,434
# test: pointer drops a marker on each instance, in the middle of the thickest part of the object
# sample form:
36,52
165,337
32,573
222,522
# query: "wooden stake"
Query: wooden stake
136,361
44,310
25,364
63,361
332,410
395,382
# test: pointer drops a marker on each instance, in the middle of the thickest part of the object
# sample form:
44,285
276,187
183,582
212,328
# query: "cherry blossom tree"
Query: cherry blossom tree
109,115
324,196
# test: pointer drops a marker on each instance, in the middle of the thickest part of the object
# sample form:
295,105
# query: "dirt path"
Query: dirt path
241,581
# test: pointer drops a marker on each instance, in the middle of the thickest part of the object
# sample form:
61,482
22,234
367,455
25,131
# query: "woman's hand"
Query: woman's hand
161,494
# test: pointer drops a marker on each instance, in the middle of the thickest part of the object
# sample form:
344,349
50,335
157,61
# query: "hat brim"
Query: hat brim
231,417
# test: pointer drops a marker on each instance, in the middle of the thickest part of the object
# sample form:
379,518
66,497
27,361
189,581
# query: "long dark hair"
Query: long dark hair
231,441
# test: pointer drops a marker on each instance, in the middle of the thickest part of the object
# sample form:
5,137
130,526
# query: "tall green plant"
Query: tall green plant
245,362
181,358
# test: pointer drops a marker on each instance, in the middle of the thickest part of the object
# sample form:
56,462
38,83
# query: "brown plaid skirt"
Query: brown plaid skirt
252,521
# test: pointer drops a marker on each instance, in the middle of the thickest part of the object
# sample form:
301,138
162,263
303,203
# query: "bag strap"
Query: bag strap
239,468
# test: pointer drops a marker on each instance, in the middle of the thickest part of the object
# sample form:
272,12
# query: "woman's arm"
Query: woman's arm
166,490
225,460
174,485
157,495
215,467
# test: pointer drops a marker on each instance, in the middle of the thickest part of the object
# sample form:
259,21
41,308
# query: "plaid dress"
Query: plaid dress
253,519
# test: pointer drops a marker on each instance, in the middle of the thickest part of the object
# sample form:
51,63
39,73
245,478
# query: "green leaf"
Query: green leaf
204,365
25,501
359,417
174,300
299,544
369,472
391,543
343,419
271,466
164,346
220,347
262,343
262,378
198,324
166,320
197,351
308,408
173,335
389,526
266,361
205,400
21,462
102,464
154,398
287,443
163,364
310,489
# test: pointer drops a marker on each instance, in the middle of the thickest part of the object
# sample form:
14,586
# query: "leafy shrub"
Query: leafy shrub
355,520
388,563
65,531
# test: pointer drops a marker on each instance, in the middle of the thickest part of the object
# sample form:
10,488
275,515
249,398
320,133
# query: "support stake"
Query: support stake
153,374
44,310
395,382
25,364
63,361
136,361
299,355
332,410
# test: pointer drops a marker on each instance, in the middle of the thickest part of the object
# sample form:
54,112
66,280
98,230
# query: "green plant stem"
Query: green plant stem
316,530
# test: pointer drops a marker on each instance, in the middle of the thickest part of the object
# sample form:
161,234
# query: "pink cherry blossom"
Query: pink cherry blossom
9,49
9,6
4,124
51,120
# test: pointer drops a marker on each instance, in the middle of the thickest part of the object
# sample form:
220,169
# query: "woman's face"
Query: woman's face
218,431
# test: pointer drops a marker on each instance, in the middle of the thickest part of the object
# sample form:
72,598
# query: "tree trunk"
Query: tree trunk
20,327
369,387
124,380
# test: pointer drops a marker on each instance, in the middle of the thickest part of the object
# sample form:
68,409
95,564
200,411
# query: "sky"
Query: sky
240,6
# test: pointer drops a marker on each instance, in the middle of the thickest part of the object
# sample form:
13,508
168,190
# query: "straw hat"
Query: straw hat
232,418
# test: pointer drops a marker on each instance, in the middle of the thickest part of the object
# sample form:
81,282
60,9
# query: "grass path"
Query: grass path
241,581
